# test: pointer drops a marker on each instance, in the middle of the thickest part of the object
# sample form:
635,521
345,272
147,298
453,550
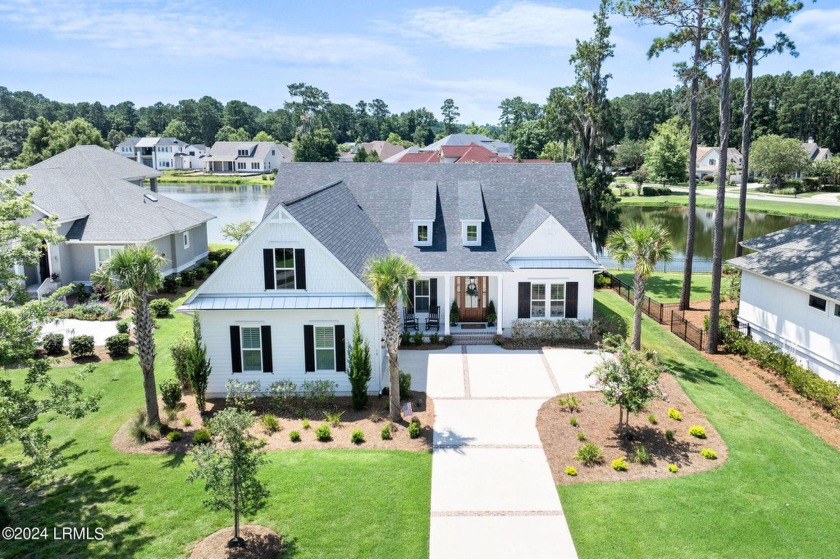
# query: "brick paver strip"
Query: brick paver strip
502,398
498,513
466,367
550,372
471,446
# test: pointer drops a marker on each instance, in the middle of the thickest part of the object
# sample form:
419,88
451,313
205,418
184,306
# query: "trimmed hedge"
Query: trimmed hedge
171,283
551,331
161,308
219,255
768,356
81,346
117,345
53,343
656,191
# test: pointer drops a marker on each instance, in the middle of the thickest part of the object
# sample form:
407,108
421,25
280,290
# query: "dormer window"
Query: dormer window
471,233
242,152
422,233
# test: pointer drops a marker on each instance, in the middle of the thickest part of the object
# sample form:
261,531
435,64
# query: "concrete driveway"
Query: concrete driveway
492,490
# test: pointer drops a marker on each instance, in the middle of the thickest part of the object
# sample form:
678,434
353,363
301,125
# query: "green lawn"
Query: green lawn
772,207
328,503
665,286
778,495
231,180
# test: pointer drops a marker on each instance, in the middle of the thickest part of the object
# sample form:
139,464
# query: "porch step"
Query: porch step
473,338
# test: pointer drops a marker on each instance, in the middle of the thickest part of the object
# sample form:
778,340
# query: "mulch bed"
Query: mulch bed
423,347
371,421
599,422
260,543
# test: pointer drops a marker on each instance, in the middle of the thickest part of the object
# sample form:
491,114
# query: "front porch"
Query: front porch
477,297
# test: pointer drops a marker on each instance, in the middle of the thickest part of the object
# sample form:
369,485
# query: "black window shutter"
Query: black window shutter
524,299
432,294
265,339
300,268
410,287
235,350
571,299
340,345
309,347
268,268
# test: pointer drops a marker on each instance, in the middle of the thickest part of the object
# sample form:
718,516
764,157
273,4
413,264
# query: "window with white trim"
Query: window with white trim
284,268
817,303
240,165
251,348
837,310
712,161
325,348
472,233
537,300
421,296
422,233
558,300
242,152
255,166
186,239
103,254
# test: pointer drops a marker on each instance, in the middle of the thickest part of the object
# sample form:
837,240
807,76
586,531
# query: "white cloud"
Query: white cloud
815,26
520,24
186,30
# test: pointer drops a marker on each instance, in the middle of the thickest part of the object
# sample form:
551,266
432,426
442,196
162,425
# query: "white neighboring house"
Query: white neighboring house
282,305
708,159
191,156
790,294
157,153
246,157
815,154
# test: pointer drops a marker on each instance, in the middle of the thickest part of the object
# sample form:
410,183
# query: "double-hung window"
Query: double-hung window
240,165
558,300
251,349
422,233
837,310
284,268
472,233
421,295
537,300
817,303
103,254
325,348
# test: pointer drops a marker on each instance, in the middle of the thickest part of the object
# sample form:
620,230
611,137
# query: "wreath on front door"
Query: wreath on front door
472,289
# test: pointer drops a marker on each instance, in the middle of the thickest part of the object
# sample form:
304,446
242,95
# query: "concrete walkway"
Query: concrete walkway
100,330
492,490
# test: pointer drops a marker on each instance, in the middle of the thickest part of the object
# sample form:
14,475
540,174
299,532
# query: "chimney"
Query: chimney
153,184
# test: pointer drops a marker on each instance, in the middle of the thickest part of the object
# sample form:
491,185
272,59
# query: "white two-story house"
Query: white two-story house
161,154
246,157
708,159
282,305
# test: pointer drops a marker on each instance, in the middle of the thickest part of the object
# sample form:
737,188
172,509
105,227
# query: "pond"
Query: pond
230,204
675,222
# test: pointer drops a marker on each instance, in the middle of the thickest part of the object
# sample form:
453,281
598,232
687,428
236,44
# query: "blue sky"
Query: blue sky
477,53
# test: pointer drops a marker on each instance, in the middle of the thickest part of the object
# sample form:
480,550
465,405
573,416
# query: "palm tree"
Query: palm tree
131,276
388,278
645,245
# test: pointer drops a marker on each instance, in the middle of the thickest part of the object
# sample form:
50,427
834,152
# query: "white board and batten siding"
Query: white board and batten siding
779,313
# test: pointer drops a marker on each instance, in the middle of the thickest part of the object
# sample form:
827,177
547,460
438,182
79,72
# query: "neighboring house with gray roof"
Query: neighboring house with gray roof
498,147
284,301
162,154
790,293
101,207
246,157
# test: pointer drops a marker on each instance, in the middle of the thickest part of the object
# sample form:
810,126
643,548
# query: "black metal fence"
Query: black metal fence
660,312
686,331
677,264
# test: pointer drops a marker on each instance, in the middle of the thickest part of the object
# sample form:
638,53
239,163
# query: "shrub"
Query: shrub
319,393
54,307
602,281
673,468
306,424
581,436
414,429
124,326
281,394
187,422
90,311
357,437
241,395
589,454
708,454
548,332
81,346
117,345
386,432
674,414
454,315
359,370
570,402
187,279
669,436
173,436
697,431
140,432
219,255
170,393
655,191
201,272
323,433
652,419
171,283
417,338
180,351
160,308
641,454
434,338
294,436
571,471
53,343
333,419
405,338
619,465
573,421
448,340
202,436
270,423
405,385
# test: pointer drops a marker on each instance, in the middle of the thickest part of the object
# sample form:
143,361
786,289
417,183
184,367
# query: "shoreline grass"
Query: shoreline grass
220,180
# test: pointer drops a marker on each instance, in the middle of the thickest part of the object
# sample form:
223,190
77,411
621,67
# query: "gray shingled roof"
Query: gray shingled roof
777,238
470,201
229,151
86,184
807,258
383,195
423,200
497,146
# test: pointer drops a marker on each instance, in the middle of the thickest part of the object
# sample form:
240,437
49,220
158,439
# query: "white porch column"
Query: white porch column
500,306
447,303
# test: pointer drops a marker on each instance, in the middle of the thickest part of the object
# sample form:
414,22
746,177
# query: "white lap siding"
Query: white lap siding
510,287
287,345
